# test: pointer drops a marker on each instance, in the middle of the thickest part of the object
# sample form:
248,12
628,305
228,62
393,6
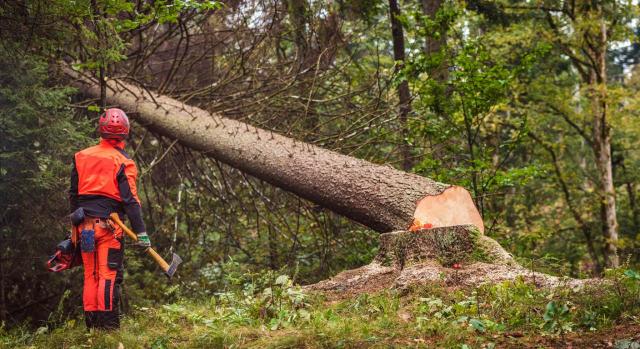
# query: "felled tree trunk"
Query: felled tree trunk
379,197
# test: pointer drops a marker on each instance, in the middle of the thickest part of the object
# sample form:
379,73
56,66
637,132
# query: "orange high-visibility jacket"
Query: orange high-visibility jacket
103,180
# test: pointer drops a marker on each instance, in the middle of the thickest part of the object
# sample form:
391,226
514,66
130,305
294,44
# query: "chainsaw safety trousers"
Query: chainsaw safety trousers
103,180
103,272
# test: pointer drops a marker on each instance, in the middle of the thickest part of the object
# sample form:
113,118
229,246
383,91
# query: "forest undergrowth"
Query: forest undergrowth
267,310
533,107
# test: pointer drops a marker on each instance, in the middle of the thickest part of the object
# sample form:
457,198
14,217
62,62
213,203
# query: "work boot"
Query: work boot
102,320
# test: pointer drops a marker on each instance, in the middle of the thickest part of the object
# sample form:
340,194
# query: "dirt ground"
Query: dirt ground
625,336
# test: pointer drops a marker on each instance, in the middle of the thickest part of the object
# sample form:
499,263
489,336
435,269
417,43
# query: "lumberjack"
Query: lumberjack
103,181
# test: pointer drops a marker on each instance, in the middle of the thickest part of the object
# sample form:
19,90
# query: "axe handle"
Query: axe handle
150,251
116,219
156,257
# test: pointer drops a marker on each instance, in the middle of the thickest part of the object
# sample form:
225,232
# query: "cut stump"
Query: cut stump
450,256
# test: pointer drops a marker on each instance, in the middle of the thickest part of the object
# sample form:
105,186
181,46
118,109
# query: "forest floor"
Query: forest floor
620,336
278,314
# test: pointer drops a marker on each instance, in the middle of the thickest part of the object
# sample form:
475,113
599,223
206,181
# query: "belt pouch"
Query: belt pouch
77,217
88,240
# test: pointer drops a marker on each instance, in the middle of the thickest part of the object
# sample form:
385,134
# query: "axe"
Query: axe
169,269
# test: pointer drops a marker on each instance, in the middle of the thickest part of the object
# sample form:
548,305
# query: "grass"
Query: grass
278,314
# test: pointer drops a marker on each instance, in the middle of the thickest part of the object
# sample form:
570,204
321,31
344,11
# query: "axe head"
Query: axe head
175,262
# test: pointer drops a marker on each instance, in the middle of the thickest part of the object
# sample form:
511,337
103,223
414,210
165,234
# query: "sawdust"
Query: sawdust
367,279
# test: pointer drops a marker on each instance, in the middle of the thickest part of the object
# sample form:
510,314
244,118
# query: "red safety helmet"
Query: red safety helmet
114,124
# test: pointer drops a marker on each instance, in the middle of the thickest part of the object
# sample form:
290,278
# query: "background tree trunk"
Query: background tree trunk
592,69
435,41
380,197
602,150
404,95
298,14
635,213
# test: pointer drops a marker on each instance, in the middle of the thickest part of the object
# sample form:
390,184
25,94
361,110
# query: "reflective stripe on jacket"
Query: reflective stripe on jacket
103,180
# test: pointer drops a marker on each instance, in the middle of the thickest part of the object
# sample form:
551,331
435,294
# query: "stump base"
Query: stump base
407,259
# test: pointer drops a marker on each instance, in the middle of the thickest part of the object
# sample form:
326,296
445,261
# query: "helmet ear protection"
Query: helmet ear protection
114,124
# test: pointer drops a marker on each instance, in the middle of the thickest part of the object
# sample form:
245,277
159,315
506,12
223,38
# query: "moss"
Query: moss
480,252
386,261
489,250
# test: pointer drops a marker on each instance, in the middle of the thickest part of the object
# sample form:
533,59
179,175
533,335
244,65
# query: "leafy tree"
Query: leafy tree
38,136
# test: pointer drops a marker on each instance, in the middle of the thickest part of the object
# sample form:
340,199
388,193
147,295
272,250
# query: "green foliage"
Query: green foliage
556,318
98,31
632,274
492,104
169,11
279,315
38,136
467,111
279,305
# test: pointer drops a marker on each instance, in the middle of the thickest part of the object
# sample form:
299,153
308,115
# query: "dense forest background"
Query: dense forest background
533,106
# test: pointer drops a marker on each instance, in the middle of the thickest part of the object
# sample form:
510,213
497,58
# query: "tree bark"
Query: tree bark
635,212
404,95
379,197
435,41
602,150
299,20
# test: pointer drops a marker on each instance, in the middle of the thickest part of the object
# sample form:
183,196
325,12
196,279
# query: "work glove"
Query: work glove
143,240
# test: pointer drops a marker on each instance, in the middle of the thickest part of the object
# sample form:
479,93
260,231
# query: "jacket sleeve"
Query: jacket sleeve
73,188
127,177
